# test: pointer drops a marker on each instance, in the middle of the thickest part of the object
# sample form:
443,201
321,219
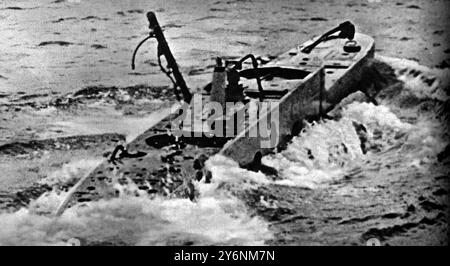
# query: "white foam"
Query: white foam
137,221
216,218
323,152
374,116
70,172
415,82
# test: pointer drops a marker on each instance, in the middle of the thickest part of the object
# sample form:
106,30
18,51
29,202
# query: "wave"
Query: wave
216,218
364,137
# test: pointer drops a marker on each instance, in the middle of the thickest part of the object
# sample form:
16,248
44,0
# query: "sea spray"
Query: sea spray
422,81
423,99
325,151
70,172
215,218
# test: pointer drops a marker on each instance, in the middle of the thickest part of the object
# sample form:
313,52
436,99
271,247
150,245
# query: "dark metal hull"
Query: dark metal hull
166,166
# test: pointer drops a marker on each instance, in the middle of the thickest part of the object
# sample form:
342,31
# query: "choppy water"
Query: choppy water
49,48
67,45
340,181
325,154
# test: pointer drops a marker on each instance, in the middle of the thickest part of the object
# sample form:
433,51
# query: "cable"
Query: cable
167,72
137,48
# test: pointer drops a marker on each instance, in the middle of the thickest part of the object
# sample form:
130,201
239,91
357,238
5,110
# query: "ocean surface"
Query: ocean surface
65,74
68,45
